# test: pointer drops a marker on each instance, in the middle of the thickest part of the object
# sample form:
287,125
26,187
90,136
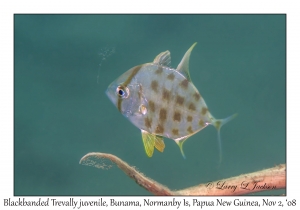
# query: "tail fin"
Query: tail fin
218,123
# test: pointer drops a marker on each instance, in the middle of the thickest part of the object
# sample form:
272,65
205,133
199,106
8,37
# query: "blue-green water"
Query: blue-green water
61,112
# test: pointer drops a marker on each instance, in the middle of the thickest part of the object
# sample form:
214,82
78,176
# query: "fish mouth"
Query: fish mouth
110,95
107,93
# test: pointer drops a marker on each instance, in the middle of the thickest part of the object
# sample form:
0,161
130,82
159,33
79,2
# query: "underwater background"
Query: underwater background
64,63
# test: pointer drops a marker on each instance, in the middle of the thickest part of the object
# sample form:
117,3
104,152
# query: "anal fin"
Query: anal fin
180,144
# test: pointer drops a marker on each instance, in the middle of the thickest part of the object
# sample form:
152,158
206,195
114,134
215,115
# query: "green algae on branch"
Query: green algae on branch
267,179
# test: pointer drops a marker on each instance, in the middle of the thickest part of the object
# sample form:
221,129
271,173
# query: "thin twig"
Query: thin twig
267,179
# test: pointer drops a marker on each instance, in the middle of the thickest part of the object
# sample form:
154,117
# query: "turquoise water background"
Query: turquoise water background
64,63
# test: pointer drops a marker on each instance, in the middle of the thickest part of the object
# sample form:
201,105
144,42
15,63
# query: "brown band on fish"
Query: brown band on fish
184,84
197,96
119,104
128,80
154,86
133,73
140,92
190,130
171,76
120,100
189,118
201,123
179,100
162,115
159,129
159,70
175,132
152,106
148,122
192,107
204,110
177,116
166,94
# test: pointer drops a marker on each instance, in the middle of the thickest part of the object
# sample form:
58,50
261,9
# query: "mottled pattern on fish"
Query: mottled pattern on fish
175,109
162,102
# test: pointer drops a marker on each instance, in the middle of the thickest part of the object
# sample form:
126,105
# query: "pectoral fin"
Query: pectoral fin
150,141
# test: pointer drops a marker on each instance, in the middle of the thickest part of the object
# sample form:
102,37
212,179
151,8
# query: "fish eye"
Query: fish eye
122,92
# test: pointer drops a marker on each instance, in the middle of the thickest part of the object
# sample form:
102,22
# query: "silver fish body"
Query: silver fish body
162,102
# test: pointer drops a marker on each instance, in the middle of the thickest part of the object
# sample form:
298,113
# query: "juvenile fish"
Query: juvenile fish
163,102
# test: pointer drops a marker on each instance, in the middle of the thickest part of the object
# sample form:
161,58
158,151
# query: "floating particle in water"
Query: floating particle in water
104,54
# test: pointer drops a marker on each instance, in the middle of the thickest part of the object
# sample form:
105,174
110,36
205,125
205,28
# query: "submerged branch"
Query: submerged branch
267,179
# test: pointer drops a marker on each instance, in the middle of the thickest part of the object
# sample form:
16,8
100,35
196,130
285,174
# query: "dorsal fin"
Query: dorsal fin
183,66
163,58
